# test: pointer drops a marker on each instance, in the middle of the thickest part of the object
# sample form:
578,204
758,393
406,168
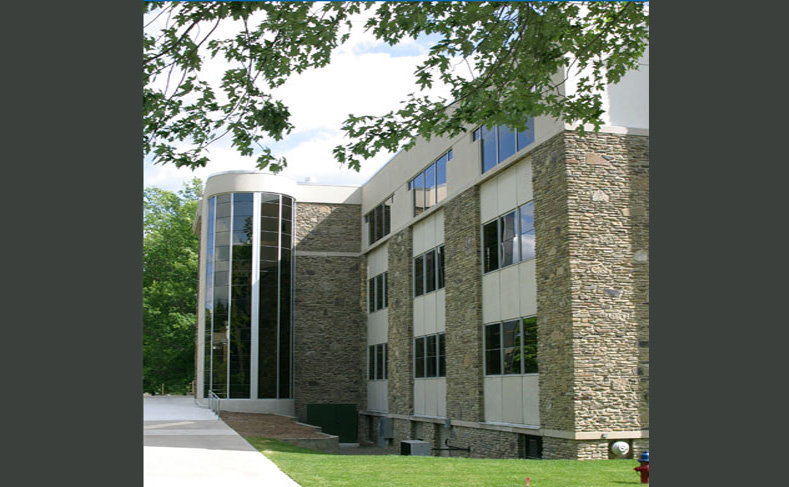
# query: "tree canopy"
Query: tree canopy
170,256
513,52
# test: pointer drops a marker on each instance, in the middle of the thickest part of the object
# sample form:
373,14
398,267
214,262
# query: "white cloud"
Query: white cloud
365,77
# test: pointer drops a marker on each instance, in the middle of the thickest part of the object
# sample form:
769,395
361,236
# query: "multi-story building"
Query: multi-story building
487,291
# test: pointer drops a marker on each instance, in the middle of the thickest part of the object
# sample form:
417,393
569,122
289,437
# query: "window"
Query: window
508,239
430,186
499,143
429,271
430,356
377,292
511,347
377,362
379,221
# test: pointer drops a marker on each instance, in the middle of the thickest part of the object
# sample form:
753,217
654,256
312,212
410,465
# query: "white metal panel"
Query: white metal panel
528,287
488,200
465,164
512,399
492,386
430,314
418,238
525,190
491,309
431,397
531,399
441,392
429,234
507,193
378,261
419,396
378,327
439,220
509,295
441,310
419,316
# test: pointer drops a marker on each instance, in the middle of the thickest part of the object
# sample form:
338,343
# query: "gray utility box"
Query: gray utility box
415,447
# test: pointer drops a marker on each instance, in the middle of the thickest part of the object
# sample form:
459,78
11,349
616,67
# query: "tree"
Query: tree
170,257
513,51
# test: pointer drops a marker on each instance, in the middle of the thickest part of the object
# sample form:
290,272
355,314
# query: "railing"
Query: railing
213,402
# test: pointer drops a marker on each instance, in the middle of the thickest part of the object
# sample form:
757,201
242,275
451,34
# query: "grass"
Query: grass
311,468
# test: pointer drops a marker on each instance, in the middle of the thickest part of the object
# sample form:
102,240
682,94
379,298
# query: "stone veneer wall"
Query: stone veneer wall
463,268
328,318
401,325
591,219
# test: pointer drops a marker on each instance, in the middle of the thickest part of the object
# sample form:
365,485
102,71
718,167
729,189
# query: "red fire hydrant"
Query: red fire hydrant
643,468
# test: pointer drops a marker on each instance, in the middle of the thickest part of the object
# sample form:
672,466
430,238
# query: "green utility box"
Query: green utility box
335,419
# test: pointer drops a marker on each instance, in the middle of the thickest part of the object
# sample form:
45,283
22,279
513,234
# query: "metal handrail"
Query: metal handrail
213,402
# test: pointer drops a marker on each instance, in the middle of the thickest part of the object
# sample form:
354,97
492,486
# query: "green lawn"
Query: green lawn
311,468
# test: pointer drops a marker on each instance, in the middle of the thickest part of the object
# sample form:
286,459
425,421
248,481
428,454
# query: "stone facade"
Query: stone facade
463,307
591,220
401,324
327,311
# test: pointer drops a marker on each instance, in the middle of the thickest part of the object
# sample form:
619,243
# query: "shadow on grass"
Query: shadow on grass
277,446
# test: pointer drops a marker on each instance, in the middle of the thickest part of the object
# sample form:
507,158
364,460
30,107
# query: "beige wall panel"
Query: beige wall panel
545,128
419,397
431,397
464,166
377,261
493,411
528,287
419,316
524,173
491,309
441,310
488,201
507,197
378,327
509,295
377,395
439,222
418,238
531,399
512,399
430,314
441,396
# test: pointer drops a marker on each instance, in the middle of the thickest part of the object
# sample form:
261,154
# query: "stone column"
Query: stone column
401,324
463,270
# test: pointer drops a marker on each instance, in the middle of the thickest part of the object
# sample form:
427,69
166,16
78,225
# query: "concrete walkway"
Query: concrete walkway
186,445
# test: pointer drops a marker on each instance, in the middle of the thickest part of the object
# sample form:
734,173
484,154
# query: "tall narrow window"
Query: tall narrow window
430,186
530,345
419,357
489,159
493,349
430,271
419,274
509,251
511,347
419,194
442,355
506,142
378,221
490,246
527,231
441,176
440,258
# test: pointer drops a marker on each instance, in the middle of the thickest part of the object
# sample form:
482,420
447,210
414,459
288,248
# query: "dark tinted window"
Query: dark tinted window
430,271
419,357
431,356
493,349
419,276
530,345
442,355
490,246
440,266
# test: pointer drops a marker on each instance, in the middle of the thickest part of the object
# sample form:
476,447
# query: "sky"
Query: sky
365,76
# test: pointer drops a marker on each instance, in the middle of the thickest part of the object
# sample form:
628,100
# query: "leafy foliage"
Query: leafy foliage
169,287
514,52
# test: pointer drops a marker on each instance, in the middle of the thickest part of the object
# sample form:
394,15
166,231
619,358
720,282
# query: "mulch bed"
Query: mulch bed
268,426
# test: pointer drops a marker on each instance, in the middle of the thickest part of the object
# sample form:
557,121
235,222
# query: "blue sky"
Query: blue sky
365,77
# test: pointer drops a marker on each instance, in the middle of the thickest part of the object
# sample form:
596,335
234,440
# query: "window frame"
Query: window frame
377,292
426,186
438,271
518,136
376,352
524,370
437,357
382,211
517,245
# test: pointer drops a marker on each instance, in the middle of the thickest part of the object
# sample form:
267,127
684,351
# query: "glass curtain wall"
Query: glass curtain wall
234,273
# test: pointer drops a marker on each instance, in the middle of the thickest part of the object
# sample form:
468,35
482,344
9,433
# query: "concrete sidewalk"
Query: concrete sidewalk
186,445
